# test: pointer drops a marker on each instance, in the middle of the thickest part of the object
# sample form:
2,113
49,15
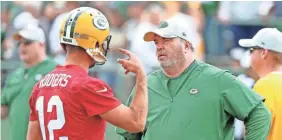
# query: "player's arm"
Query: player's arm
34,132
103,103
244,104
125,134
132,118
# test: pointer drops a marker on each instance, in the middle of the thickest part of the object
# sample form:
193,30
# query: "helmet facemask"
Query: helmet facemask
99,53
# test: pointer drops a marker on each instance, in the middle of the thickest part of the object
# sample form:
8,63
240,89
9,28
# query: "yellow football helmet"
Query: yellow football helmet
88,28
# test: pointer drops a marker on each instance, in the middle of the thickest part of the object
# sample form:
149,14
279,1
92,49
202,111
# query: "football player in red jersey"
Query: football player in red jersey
67,104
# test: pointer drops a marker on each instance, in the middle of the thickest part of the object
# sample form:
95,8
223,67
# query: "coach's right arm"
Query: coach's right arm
243,103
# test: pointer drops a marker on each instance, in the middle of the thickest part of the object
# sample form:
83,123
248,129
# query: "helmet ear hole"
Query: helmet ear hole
97,45
63,46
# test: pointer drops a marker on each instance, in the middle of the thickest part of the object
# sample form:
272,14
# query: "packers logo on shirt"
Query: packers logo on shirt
38,77
194,91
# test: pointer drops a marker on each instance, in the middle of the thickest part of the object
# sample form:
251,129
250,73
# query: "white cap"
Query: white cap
23,19
168,29
267,38
31,32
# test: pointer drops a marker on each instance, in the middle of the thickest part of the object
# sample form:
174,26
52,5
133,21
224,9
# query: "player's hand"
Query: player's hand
132,63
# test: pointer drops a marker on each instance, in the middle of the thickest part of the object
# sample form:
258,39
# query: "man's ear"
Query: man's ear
187,45
264,53
42,44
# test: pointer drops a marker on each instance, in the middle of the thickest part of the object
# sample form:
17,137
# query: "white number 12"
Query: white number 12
53,124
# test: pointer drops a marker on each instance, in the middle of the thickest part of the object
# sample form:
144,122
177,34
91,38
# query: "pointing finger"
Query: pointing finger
124,51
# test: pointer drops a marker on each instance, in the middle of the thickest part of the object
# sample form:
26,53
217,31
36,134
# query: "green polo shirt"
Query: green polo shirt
200,104
16,92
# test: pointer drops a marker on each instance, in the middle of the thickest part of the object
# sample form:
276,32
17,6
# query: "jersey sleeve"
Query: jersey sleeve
32,104
97,98
237,99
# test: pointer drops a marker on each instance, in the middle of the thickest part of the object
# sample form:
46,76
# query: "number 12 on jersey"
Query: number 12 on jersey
53,124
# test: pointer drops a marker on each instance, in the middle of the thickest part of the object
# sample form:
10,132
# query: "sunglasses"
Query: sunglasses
26,42
254,48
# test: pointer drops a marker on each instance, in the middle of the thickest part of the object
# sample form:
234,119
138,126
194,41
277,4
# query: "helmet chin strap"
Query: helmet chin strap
92,65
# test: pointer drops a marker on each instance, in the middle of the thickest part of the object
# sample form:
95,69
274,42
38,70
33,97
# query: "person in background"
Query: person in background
29,14
18,86
266,61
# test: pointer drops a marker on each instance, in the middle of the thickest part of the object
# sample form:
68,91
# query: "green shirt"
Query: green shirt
16,92
200,104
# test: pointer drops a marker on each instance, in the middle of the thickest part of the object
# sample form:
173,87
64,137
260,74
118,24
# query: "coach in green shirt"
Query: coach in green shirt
18,86
191,100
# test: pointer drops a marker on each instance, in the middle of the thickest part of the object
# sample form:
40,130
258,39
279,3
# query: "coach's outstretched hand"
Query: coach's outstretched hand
132,63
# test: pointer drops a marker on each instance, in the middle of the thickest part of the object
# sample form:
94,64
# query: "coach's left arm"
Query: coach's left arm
243,103
258,123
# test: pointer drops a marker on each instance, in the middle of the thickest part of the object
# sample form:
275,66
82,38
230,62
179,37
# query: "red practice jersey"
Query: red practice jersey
67,102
